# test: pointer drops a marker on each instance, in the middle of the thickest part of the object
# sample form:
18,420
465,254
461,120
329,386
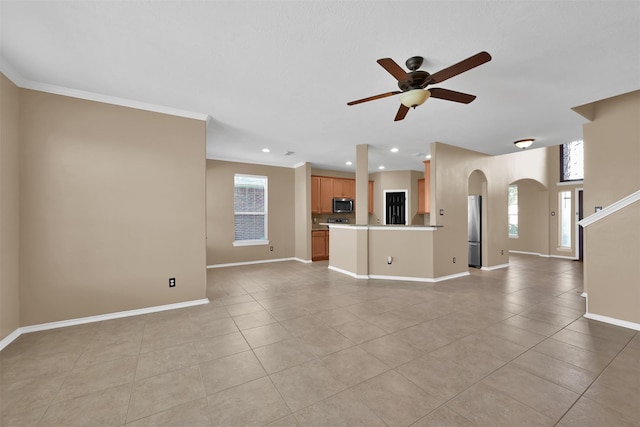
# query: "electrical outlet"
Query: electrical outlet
454,260
271,248
172,282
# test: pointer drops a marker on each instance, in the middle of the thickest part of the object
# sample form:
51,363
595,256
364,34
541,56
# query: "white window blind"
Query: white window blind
250,210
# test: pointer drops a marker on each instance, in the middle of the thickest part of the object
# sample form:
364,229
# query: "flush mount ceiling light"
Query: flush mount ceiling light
428,156
414,98
380,167
348,163
265,150
394,150
524,143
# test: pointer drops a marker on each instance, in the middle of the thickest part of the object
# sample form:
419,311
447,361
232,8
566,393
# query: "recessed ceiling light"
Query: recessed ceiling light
265,150
394,150
380,167
348,163
428,156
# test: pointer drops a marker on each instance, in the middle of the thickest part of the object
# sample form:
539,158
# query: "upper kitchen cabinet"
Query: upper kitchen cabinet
321,194
344,188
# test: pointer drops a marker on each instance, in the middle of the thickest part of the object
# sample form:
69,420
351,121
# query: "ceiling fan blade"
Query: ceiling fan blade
373,98
402,112
394,69
451,95
460,67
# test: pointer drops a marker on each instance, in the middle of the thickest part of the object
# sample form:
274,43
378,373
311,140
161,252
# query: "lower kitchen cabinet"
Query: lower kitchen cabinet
319,245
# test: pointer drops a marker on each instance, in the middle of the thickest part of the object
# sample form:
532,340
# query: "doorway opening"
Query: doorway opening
395,207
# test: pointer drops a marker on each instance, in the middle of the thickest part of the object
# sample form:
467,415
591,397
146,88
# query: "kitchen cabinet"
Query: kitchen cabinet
319,245
370,197
344,188
324,189
424,189
321,194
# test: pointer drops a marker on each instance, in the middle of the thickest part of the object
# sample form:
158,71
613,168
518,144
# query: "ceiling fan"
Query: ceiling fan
413,84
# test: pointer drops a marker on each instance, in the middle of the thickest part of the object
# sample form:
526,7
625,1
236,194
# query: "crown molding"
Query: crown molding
23,83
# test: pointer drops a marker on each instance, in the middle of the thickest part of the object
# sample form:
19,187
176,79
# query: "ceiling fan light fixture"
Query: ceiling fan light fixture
524,143
415,97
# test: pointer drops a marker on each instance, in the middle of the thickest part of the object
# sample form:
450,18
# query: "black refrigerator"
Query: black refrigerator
475,231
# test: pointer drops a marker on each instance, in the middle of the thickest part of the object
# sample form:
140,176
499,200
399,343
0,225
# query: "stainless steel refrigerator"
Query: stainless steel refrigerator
475,231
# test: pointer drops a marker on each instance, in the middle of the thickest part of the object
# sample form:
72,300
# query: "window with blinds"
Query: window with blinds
250,210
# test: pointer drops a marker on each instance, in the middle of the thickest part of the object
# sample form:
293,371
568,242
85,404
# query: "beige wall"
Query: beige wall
220,216
612,254
344,247
612,251
334,174
411,252
533,218
9,208
612,151
112,206
451,168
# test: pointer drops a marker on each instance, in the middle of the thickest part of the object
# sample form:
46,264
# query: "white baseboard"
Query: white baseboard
572,258
348,273
525,253
495,267
451,276
584,295
398,278
613,321
305,261
10,338
542,255
99,318
402,278
262,261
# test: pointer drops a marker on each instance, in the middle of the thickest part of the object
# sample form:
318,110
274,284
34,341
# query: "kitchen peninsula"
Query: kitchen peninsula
395,252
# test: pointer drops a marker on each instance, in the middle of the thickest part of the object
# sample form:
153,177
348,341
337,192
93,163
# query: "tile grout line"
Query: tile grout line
594,380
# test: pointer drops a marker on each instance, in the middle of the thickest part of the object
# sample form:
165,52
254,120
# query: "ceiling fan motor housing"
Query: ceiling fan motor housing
417,80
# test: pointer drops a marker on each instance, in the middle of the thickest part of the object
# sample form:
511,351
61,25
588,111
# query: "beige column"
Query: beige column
362,209
362,184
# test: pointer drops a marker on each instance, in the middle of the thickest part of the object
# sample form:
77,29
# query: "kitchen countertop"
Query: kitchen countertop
386,225
326,225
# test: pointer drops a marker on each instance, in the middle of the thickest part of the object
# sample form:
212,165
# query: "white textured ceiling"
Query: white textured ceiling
279,74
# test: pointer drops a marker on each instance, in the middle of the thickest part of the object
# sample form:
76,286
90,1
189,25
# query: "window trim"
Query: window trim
253,242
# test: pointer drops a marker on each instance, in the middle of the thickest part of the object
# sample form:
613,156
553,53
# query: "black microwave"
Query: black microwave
342,205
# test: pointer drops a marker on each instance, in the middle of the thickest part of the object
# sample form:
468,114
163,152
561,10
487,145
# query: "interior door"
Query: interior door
396,208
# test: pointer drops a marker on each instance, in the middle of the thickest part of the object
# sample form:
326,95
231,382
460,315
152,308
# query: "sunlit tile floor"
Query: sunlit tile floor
288,344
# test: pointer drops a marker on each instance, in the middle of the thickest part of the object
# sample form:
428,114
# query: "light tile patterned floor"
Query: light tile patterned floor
289,344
